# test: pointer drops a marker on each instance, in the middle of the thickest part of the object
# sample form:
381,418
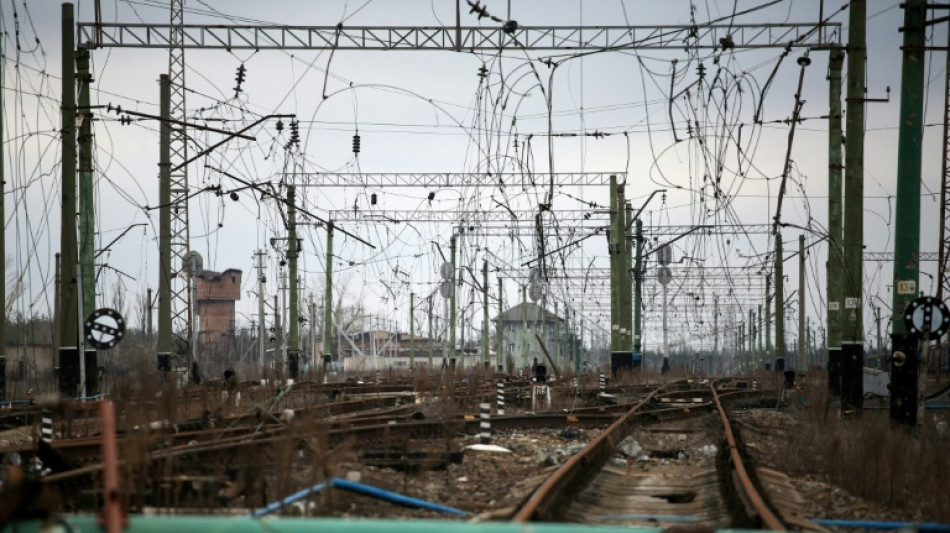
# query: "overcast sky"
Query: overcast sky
431,112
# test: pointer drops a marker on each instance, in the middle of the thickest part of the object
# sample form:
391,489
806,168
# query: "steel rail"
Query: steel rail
769,518
545,499
574,468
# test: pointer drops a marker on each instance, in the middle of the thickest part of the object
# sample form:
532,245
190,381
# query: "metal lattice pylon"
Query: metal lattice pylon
181,297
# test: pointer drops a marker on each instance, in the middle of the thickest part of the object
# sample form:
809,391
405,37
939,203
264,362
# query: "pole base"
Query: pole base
69,372
3,378
92,372
852,377
834,372
904,364
293,364
620,361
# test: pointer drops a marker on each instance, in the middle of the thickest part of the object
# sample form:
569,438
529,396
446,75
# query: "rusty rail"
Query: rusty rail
547,498
747,485
593,455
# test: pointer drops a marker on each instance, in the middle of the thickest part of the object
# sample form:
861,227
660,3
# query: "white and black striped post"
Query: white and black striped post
379,377
46,426
500,398
484,435
603,384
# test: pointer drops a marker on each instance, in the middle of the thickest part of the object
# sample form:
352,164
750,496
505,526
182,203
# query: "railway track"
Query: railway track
687,472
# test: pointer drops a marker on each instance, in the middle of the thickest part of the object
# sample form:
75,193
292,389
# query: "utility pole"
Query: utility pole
852,331
499,329
626,289
638,300
524,326
148,319
262,318
293,340
313,332
835,265
70,372
328,302
779,304
278,344
87,214
716,326
412,332
164,346
452,304
904,359
3,255
431,344
486,358
761,338
801,303
768,320
616,265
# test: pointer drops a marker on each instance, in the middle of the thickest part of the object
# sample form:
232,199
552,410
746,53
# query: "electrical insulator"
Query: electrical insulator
482,72
372,199
356,143
280,126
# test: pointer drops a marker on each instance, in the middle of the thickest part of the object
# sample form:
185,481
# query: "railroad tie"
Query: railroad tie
484,435
500,398
46,426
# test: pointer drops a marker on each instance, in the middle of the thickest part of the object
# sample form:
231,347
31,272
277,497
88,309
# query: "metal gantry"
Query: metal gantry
439,180
467,39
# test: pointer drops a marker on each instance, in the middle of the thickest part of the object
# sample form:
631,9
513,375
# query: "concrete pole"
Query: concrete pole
500,329
293,339
768,320
801,303
638,299
904,360
453,311
148,319
313,332
278,341
431,345
328,354
666,329
835,265
87,218
716,326
761,358
3,254
852,323
615,250
779,304
164,346
486,359
70,361
626,287
261,329
412,331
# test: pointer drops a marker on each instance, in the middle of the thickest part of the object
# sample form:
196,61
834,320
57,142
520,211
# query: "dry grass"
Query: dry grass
870,457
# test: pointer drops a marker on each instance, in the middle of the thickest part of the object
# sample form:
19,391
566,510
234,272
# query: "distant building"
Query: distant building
217,294
521,327
393,350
